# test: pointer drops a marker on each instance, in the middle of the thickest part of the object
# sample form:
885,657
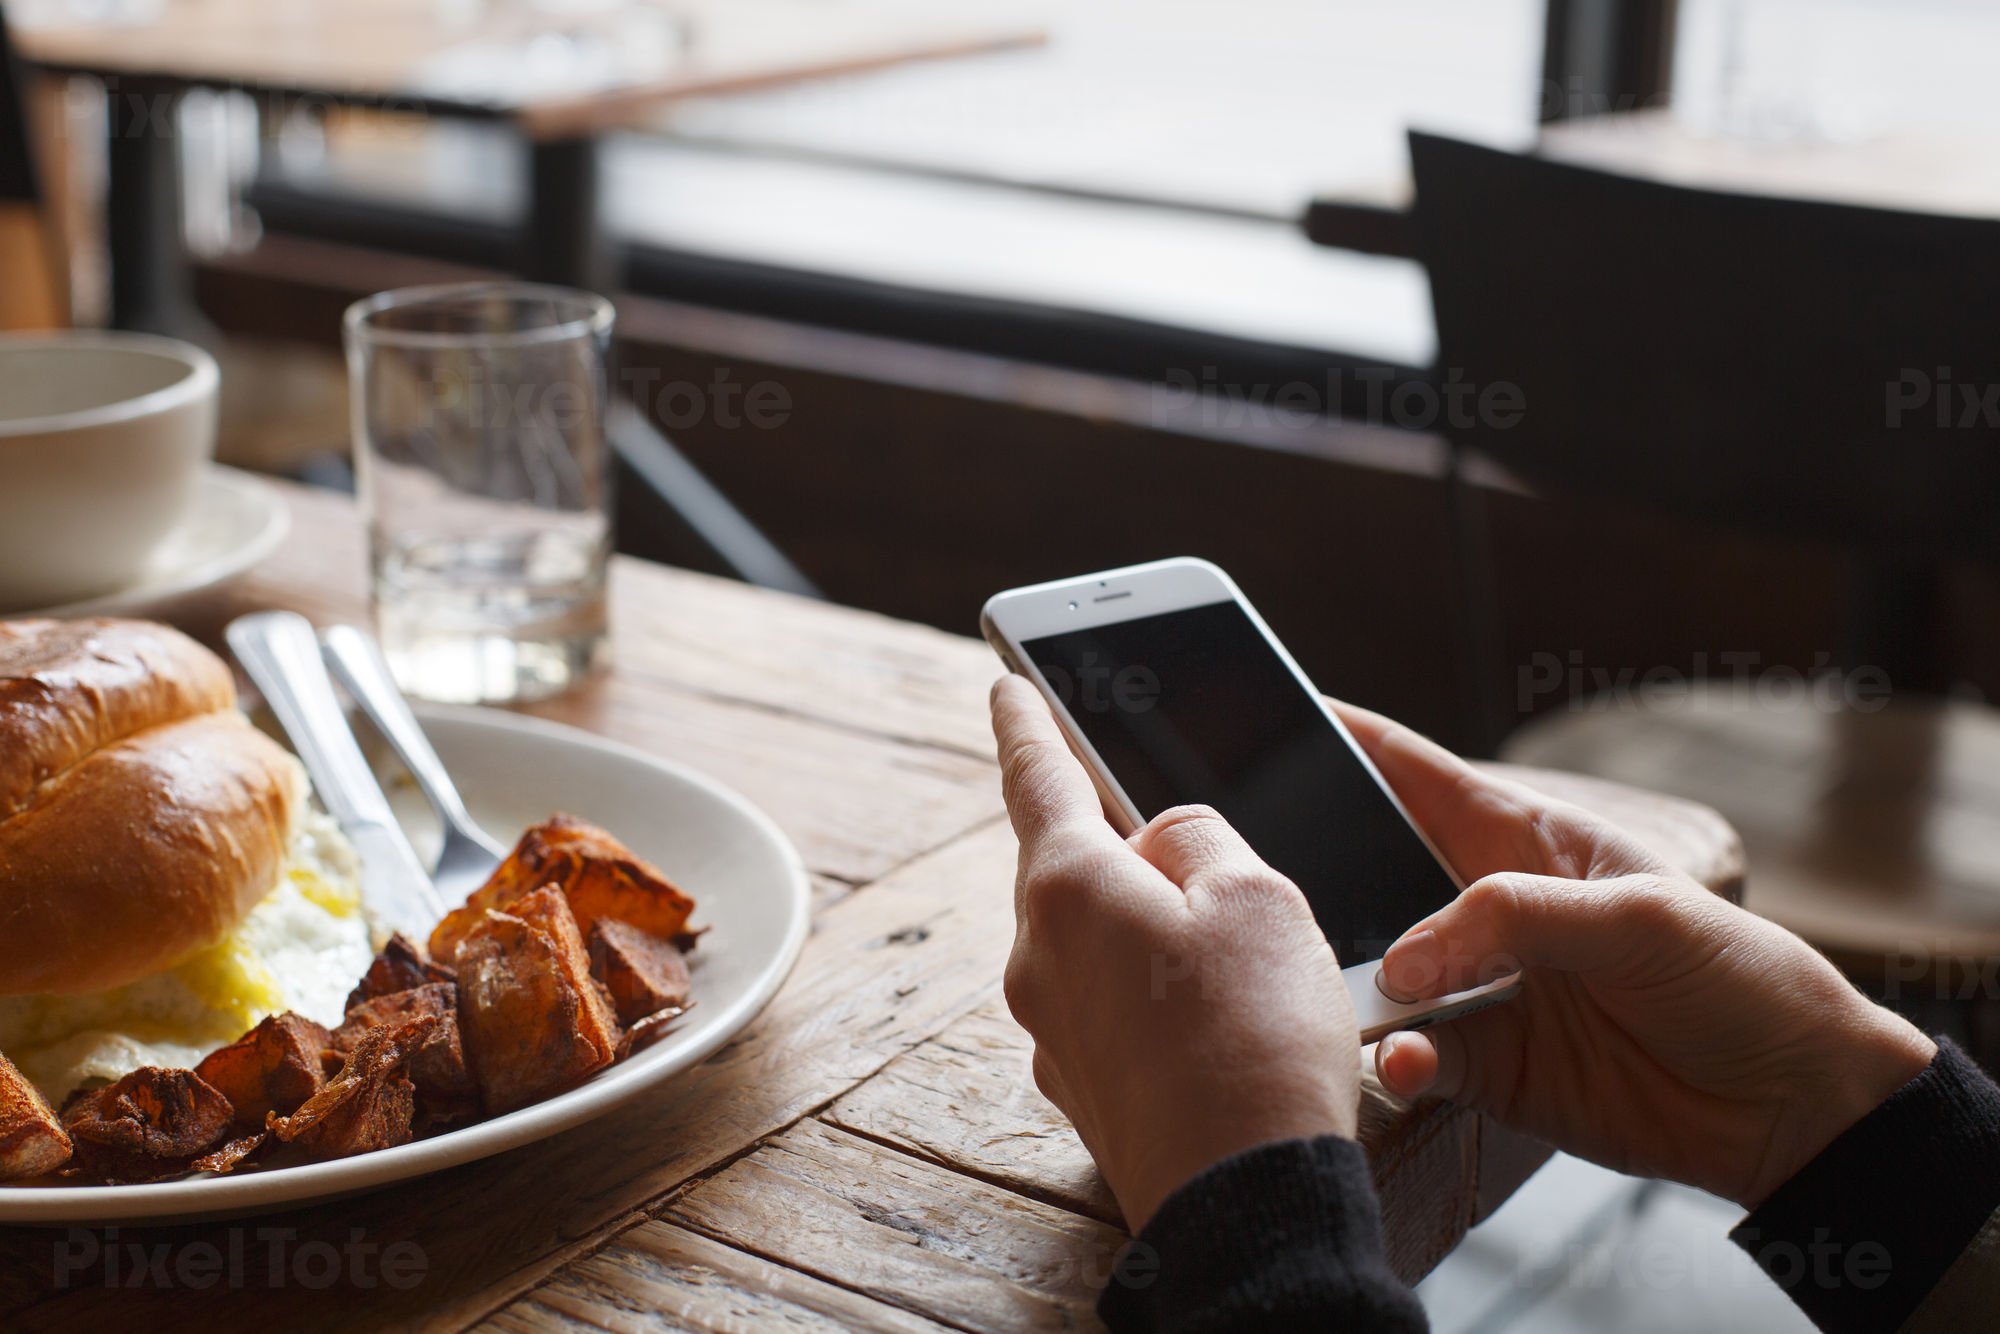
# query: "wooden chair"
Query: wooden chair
31,288
1786,367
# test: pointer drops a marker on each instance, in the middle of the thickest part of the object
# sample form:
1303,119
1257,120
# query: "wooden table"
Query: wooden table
871,1153
562,75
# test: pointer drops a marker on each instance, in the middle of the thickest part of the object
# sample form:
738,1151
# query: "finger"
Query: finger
1195,847
1407,1064
1436,1062
1510,921
1473,818
1049,796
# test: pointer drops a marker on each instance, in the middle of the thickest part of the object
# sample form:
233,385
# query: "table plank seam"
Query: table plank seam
569,1299
1039,1196
549,1266
887,1299
696,1225
666,1199
972,830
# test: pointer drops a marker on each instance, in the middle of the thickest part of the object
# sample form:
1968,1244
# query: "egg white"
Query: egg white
302,948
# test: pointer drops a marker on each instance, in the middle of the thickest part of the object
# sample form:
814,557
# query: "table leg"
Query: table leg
564,243
151,289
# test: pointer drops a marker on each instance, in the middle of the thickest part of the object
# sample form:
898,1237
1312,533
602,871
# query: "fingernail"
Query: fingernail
1413,966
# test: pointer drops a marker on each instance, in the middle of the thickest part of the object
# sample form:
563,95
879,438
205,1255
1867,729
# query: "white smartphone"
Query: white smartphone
1172,690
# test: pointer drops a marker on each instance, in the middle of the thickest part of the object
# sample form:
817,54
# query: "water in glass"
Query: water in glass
479,441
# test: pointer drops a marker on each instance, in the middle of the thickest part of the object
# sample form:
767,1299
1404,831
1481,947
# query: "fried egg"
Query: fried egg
302,948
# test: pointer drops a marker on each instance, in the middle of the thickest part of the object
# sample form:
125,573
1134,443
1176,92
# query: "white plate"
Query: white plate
234,522
750,890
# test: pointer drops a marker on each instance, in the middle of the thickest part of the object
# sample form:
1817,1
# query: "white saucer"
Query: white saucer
234,522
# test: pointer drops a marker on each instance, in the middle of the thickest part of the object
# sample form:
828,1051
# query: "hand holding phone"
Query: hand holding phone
1183,1002
1172,691
1660,1030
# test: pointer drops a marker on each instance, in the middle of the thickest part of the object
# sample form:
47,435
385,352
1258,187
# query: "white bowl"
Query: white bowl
103,438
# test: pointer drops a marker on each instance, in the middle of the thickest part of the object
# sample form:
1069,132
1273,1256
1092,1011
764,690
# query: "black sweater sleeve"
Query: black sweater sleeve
1280,1239
1865,1230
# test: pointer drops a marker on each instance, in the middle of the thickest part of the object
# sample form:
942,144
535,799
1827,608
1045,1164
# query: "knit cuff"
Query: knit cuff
1862,1233
1279,1238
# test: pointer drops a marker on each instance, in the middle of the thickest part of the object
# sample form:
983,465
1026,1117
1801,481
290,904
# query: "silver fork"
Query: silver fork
469,853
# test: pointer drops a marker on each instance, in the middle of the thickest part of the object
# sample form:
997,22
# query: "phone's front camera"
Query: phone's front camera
1072,606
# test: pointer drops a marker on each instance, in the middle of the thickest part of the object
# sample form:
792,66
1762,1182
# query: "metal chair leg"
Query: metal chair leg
708,516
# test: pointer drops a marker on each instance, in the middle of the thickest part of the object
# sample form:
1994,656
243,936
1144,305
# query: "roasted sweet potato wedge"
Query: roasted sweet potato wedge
533,1020
32,1140
597,874
272,1068
401,966
643,973
444,1084
369,1104
152,1123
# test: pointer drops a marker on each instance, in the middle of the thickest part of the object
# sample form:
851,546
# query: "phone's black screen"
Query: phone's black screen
1194,706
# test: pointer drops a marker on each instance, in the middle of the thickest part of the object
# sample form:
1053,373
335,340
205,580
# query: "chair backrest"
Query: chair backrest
1818,369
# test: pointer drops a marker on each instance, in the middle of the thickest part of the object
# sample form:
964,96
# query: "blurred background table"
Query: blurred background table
871,1153
562,75
1917,172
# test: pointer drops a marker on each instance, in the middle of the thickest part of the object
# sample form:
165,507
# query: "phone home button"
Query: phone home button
1382,986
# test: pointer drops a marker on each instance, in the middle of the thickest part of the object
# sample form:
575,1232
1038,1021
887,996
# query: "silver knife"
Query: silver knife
281,653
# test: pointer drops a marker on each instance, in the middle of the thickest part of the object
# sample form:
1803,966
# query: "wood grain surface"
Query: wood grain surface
871,1153
661,1276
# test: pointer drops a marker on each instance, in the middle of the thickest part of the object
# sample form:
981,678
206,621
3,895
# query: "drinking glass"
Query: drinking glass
481,459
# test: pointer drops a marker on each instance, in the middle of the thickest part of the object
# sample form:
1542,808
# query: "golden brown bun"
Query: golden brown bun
150,815
68,687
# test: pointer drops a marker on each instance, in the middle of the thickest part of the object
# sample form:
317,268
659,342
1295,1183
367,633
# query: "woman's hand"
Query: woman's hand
1659,1030
1184,1004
